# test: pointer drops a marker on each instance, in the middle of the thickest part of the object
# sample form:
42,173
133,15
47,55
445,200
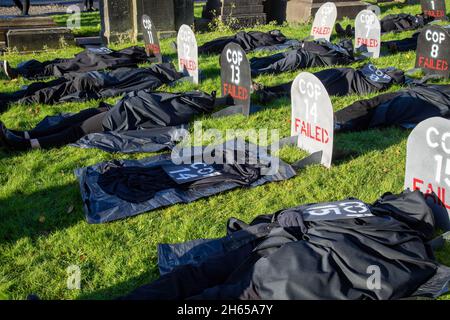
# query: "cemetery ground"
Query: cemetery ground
42,224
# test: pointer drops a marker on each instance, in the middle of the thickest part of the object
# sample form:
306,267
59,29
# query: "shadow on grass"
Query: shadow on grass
36,214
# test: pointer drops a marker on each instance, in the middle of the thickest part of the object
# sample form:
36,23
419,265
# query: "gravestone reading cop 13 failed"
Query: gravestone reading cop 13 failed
324,21
428,166
152,47
434,8
188,53
368,32
433,51
236,76
312,119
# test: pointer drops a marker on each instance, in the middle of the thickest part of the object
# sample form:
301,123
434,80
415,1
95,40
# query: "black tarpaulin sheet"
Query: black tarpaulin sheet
102,207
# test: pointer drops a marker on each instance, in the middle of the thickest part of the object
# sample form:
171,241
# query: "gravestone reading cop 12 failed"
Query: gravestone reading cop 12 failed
151,40
434,8
188,53
324,21
312,116
428,166
433,51
368,32
236,76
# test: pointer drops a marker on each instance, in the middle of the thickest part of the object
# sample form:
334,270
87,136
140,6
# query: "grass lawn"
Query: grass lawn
42,224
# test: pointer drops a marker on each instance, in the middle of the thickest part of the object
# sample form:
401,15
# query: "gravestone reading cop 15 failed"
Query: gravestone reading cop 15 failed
433,51
324,21
188,53
236,76
312,116
428,166
368,32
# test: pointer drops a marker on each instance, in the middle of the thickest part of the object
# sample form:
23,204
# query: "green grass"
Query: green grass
42,224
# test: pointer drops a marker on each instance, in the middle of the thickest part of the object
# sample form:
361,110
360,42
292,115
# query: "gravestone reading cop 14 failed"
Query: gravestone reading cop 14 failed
236,76
368,32
434,8
324,21
312,116
428,166
151,40
433,51
188,53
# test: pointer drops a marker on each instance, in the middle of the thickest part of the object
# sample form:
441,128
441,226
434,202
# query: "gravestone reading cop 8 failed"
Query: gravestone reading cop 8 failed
428,166
434,8
188,53
324,21
236,76
151,40
368,32
433,51
312,116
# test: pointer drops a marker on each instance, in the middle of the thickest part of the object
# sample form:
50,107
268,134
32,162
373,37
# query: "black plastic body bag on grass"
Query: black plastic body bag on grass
123,188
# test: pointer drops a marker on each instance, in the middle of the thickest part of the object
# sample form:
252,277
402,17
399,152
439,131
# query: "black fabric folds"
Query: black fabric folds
310,54
93,85
138,184
406,108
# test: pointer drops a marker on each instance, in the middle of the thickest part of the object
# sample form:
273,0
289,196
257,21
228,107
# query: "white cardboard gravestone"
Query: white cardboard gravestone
188,53
312,116
151,40
324,21
433,51
368,32
434,8
236,76
428,166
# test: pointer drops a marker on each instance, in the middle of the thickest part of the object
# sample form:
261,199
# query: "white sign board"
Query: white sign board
188,53
324,21
368,32
312,116
428,166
